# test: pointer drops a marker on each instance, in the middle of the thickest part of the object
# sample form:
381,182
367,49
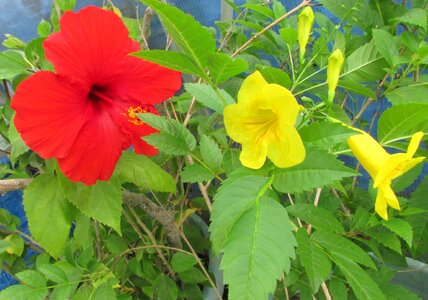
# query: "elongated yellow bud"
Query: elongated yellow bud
335,63
304,28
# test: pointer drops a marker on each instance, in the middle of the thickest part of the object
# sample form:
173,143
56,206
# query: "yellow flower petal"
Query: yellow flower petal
381,207
233,122
253,155
390,169
389,196
250,94
368,152
282,102
414,143
286,148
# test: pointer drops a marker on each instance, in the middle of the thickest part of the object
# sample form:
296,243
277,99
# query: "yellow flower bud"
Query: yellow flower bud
335,62
304,28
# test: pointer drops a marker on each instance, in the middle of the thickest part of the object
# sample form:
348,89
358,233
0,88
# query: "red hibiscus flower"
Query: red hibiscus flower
85,114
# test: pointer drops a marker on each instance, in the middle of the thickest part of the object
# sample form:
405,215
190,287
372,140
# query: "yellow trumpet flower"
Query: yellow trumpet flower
335,62
263,122
304,27
384,167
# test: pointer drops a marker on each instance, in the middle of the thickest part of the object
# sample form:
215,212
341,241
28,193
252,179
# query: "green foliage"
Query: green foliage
208,96
222,67
325,135
12,63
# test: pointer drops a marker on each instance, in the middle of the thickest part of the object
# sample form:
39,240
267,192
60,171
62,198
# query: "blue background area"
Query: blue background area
21,17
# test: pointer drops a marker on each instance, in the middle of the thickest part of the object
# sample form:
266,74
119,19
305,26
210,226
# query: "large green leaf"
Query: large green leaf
415,16
325,135
318,217
101,201
313,258
211,153
254,234
408,94
402,121
401,228
361,283
222,67
193,39
319,168
174,138
142,171
386,45
48,212
12,63
340,246
173,60
17,145
364,64
206,95
275,75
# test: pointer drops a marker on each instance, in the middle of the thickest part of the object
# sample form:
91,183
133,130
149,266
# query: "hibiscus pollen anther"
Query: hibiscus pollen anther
132,114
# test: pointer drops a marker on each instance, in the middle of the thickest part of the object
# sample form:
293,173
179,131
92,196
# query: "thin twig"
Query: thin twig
202,188
268,27
316,201
8,185
98,241
325,291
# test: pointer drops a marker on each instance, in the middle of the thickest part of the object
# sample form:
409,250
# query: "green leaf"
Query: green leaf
101,201
12,63
53,273
385,237
222,67
13,42
16,244
419,222
44,28
32,278
408,94
244,225
361,283
340,246
174,138
23,292
386,45
207,96
397,292
318,217
65,5
48,212
319,168
401,228
313,258
357,88
142,171
194,40
211,153
274,75
192,276
18,147
173,60
325,135
103,292
338,289
289,35
415,16
196,173
165,288
181,262
401,122
364,65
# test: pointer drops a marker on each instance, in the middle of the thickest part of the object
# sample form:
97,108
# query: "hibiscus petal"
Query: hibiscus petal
253,155
286,149
49,113
95,151
91,45
145,82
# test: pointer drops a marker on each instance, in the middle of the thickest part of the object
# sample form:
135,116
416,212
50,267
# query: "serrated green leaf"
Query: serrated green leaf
397,292
196,173
385,237
48,212
361,283
415,16
142,171
338,289
165,288
313,258
12,63
244,224
408,94
193,39
101,201
173,60
318,217
340,246
23,292
386,45
274,75
419,221
18,147
174,138
401,122
222,67
207,96
325,135
53,273
103,292
211,153
181,262
357,88
319,168
192,276
401,228
32,278
364,65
